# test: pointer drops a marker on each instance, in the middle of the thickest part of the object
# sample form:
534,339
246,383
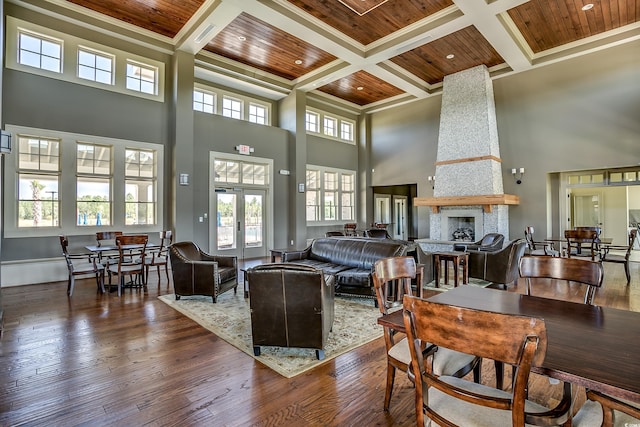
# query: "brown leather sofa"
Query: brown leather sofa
349,259
197,273
501,266
291,306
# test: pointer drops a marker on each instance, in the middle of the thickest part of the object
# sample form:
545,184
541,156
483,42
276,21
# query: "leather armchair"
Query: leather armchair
426,259
499,267
198,273
377,233
490,242
291,306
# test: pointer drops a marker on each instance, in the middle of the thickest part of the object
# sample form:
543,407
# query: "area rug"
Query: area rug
355,324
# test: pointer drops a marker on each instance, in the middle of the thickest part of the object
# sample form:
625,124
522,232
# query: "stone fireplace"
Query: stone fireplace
461,225
468,179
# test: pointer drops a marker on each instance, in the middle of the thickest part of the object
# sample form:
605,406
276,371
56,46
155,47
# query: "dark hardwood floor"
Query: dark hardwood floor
106,360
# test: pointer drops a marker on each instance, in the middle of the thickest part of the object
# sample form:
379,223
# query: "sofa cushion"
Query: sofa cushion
327,267
356,252
354,277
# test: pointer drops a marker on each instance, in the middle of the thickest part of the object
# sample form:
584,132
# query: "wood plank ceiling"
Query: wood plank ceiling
371,54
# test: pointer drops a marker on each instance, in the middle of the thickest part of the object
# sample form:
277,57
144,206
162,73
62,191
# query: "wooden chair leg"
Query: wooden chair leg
391,374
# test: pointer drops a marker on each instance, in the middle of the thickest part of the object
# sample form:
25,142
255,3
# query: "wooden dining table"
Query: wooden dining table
591,346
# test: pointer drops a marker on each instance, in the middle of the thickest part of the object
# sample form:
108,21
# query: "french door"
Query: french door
240,222
399,217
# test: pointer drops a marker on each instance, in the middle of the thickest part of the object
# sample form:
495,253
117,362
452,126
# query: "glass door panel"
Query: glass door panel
240,216
226,217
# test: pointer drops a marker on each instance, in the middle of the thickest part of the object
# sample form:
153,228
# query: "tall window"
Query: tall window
257,114
348,197
231,108
313,195
38,182
312,122
40,52
330,194
94,66
204,101
140,187
141,77
65,183
93,184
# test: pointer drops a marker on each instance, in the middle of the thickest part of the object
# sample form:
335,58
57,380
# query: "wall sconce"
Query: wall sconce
432,180
5,142
517,175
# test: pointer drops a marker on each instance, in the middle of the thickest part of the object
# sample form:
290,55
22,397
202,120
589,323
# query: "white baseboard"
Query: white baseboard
28,272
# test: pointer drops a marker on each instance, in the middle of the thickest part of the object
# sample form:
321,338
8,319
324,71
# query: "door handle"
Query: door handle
238,226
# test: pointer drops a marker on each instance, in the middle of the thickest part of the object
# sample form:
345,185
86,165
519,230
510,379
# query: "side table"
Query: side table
457,259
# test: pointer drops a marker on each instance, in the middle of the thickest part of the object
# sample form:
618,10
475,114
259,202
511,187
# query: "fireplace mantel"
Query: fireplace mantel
485,201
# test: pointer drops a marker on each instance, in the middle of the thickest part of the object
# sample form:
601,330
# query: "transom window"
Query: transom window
257,114
94,66
211,100
330,126
337,128
204,101
240,172
346,131
141,77
311,120
40,52
330,194
231,107
43,51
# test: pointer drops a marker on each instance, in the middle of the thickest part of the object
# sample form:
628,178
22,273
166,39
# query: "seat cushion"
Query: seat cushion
467,414
227,273
445,361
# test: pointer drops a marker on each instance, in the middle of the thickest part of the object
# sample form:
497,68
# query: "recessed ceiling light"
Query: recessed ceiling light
360,88
450,56
587,6
298,61
242,38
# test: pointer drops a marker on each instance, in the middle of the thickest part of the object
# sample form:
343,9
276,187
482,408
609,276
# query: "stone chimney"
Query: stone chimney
468,179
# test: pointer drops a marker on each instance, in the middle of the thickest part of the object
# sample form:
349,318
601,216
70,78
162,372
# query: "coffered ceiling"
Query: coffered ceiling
366,54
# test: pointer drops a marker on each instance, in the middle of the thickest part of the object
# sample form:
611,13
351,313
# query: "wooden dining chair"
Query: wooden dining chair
538,248
620,258
131,255
582,242
602,409
107,238
350,229
512,339
81,265
394,276
158,256
577,270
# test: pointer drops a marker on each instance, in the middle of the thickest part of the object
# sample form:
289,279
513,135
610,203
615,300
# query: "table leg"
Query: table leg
437,262
456,271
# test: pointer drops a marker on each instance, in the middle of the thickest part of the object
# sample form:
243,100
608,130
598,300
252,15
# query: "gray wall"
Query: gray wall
222,134
578,114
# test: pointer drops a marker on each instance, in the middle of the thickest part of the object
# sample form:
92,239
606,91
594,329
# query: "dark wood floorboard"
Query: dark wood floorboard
106,360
